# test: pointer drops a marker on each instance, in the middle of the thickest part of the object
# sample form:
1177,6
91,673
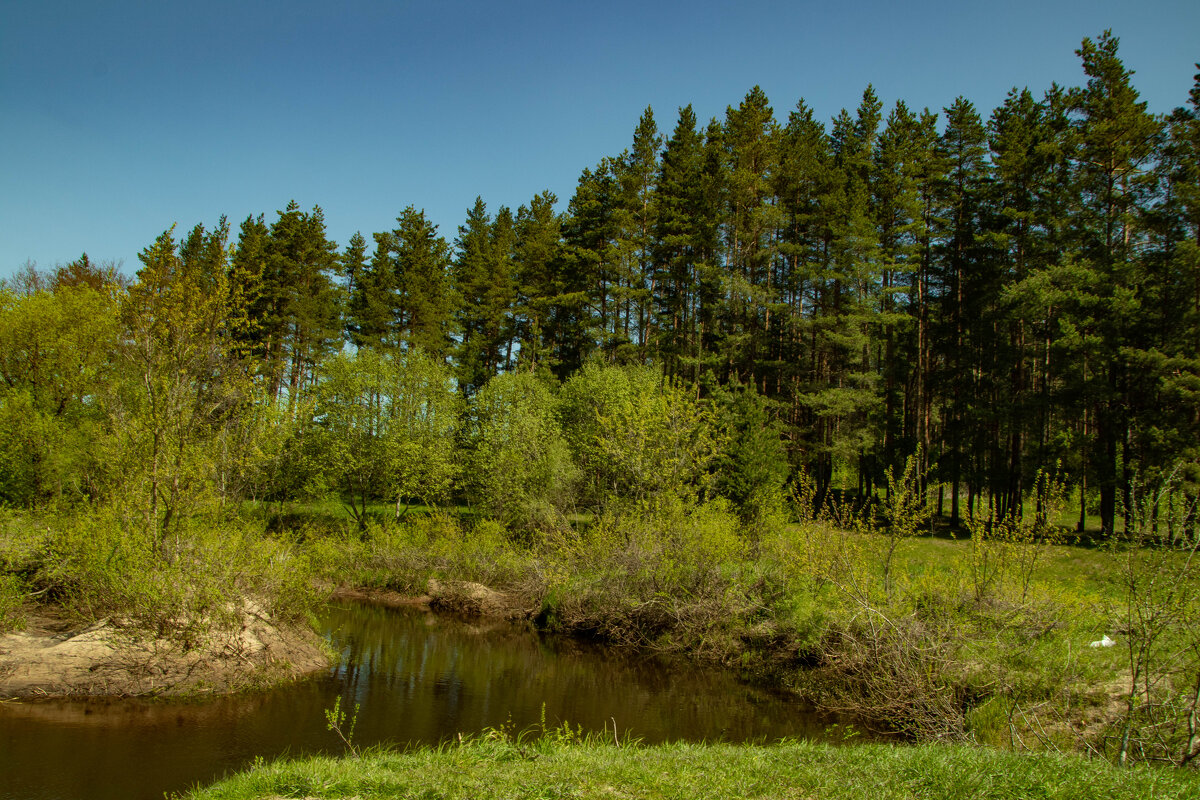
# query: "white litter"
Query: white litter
1105,642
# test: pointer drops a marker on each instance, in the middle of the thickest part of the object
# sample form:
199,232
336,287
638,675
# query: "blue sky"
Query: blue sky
118,119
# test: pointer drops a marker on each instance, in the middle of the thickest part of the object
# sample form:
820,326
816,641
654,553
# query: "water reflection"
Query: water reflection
417,677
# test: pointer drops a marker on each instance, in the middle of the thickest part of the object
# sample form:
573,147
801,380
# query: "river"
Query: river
417,678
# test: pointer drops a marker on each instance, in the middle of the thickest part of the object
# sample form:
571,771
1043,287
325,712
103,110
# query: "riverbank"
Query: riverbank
551,767
55,656
984,641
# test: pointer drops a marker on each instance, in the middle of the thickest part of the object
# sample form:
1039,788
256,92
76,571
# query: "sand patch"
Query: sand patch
52,659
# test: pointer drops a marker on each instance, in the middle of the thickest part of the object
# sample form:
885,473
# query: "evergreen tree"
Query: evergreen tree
638,172
677,246
482,274
963,150
1116,138
422,263
552,302
751,150
591,252
353,267
297,310
804,184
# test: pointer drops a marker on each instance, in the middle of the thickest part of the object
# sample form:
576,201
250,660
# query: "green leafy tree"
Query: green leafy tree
521,468
56,359
385,425
180,386
635,437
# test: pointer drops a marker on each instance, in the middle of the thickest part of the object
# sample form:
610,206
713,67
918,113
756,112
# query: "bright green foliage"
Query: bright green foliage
636,436
595,768
664,578
384,426
179,390
1158,580
99,567
56,353
520,466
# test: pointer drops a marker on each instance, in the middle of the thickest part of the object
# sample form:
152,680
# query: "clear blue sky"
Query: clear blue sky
118,119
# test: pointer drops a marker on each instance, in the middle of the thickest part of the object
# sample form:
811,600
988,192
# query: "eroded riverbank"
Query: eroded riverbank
56,657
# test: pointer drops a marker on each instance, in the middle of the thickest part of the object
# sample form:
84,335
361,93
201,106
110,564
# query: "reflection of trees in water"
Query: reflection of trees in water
426,677
418,677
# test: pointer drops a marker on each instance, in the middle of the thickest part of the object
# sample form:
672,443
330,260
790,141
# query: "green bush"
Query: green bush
96,567
12,598
521,470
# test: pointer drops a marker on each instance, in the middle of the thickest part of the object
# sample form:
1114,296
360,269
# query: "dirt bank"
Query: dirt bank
52,658
456,597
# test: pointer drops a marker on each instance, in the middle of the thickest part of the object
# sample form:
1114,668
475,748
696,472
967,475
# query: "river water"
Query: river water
417,677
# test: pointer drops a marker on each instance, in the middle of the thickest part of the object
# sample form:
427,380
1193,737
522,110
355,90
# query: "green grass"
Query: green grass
497,768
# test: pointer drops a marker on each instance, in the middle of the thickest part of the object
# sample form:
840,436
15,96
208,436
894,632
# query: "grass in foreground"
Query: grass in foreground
494,768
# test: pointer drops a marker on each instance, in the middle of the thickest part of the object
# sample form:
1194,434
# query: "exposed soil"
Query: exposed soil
456,597
475,599
53,658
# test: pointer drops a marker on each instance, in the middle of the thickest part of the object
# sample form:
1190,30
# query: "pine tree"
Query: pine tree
352,264
804,184
637,173
677,243
963,150
422,263
482,274
845,399
551,306
1116,139
751,143
247,267
297,311
591,253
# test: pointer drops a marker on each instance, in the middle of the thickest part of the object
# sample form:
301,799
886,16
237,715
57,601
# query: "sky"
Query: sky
120,119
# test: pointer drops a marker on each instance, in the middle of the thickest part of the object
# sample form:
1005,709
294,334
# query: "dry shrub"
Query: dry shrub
898,671
673,576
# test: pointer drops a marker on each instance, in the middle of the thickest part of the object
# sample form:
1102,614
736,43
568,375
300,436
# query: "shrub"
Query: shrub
521,470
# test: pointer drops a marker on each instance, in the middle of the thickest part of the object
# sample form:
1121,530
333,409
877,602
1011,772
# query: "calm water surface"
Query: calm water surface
419,677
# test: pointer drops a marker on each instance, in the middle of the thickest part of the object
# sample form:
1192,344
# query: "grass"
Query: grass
494,767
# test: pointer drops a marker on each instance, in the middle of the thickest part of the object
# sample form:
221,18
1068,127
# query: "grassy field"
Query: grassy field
499,768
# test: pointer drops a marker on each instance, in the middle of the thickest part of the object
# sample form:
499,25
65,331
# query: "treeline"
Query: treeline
994,297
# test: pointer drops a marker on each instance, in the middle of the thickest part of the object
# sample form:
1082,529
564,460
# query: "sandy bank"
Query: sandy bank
52,658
